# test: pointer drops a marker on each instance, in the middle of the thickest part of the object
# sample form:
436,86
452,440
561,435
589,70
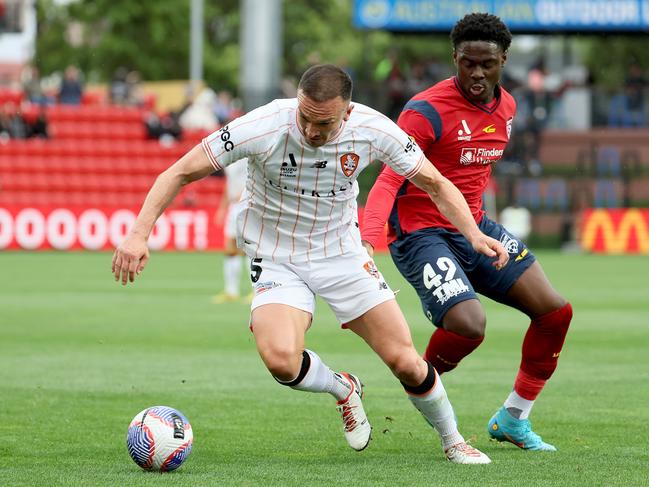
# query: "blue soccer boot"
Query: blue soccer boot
504,427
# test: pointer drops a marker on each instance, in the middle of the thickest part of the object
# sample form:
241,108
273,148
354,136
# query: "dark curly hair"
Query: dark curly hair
481,27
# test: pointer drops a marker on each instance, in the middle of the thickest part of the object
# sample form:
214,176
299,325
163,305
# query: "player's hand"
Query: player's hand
491,248
130,258
368,246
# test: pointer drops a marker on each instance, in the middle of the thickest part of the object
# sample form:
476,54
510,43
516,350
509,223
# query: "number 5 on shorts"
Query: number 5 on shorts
255,269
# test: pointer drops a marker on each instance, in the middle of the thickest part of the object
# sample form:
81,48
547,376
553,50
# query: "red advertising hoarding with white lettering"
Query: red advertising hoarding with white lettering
73,228
103,228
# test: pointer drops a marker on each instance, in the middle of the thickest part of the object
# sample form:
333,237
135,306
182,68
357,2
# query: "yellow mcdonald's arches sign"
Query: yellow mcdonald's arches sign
616,231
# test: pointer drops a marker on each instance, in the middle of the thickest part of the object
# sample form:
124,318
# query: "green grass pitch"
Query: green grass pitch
80,355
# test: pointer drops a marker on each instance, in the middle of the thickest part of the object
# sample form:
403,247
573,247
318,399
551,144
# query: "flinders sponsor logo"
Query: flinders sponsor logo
480,155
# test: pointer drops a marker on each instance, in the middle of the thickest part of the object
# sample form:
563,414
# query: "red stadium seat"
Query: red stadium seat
11,96
98,154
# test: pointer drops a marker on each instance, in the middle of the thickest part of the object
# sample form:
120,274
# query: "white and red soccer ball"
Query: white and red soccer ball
159,438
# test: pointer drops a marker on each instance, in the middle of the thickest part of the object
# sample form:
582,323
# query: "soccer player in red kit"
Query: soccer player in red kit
463,124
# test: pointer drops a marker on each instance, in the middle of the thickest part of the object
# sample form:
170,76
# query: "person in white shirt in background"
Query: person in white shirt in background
517,220
226,215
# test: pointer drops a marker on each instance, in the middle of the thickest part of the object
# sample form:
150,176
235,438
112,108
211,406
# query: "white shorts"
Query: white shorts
350,284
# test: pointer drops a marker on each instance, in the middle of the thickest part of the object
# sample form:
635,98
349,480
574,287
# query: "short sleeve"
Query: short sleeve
397,150
243,137
422,121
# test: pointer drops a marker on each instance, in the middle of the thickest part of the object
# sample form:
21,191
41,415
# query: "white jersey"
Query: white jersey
300,200
235,180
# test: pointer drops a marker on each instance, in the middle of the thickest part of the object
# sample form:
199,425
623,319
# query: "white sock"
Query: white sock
437,409
231,274
518,406
320,378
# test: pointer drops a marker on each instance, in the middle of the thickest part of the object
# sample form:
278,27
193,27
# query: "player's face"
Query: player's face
479,65
319,121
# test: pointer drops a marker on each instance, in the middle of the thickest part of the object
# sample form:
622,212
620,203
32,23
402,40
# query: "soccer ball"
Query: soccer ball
159,438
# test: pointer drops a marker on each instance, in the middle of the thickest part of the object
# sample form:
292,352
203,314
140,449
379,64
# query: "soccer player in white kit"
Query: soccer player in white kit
298,225
235,183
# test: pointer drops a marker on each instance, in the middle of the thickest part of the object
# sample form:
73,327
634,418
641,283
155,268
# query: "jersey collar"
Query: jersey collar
485,108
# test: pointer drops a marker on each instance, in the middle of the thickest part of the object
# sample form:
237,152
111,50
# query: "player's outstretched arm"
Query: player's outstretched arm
132,254
378,206
453,206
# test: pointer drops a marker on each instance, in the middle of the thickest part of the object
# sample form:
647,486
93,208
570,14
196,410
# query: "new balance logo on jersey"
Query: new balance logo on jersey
289,171
465,132
319,164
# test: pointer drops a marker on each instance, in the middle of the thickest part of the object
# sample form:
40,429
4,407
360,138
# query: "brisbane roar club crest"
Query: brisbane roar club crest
349,163
371,269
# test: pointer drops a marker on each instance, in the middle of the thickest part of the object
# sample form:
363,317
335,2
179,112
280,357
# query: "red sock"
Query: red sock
445,349
528,387
541,348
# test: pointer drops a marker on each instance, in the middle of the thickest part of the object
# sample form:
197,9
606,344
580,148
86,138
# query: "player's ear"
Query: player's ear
455,57
503,59
348,112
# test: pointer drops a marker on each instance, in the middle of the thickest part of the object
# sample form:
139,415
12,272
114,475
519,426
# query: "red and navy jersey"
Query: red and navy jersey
461,138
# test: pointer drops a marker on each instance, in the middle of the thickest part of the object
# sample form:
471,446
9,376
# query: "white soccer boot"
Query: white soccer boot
464,453
356,426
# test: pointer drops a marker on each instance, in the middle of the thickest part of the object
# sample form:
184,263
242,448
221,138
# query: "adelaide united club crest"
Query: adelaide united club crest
349,163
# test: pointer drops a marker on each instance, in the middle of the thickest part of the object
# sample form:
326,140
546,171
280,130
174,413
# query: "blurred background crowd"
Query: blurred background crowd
579,140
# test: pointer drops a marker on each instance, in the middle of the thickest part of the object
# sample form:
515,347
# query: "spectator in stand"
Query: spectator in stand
536,76
164,127
436,70
390,74
200,114
627,108
35,118
417,80
39,126
32,86
118,91
71,89
134,94
537,94
12,123
223,107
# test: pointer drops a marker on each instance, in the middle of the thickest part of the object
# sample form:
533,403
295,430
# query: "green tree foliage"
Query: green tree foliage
322,31
608,58
151,36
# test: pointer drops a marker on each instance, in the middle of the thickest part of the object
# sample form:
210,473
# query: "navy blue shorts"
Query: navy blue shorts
445,270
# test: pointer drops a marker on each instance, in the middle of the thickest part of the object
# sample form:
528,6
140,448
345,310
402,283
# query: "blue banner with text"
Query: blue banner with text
520,15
